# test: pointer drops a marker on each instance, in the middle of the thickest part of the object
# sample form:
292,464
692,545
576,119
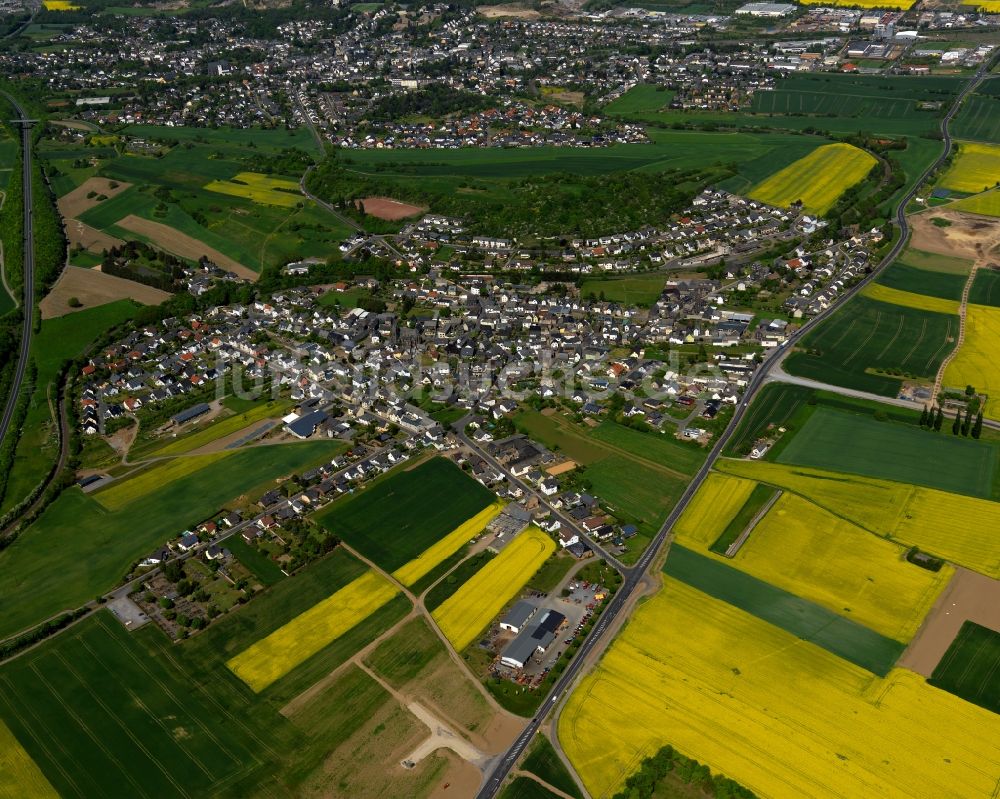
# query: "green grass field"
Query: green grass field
643,290
641,98
262,567
397,519
526,788
870,335
77,549
979,119
947,285
856,444
970,666
986,288
278,139
223,427
157,733
664,450
758,498
456,579
807,620
542,761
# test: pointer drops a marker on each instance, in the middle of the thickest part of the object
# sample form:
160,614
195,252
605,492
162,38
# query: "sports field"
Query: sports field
976,363
467,612
970,667
78,549
987,203
818,179
776,714
714,506
19,776
795,614
259,188
950,526
922,302
643,290
443,549
394,521
975,169
274,656
856,444
869,335
818,556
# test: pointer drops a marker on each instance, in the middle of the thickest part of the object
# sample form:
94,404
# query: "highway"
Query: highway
28,301
633,576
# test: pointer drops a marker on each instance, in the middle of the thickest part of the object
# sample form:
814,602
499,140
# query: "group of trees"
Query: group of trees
144,264
971,424
435,101
668,762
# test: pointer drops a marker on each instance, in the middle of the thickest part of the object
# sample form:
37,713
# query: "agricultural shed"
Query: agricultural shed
191,413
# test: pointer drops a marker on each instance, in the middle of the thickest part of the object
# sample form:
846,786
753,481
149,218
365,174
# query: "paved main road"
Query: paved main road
28,269
594,643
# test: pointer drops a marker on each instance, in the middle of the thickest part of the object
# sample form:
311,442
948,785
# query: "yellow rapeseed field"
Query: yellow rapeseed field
410,572
259,188
19,776
59,5
924,302
468,611
781,716
718,500
817,179
989,6
900,4
121,493
976,361
813,554
987,203
976,169
950,526
876,505
274,656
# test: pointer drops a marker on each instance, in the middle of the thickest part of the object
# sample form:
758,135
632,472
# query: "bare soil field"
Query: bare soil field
173,241
76,202
93,287
508,10
970,596
91,239
967,235
561,468
387,208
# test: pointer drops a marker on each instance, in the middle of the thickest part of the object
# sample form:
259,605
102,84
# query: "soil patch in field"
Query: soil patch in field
76,202
508,10
970,596
173,241
93,287
561,468
91,239
965,235
387,208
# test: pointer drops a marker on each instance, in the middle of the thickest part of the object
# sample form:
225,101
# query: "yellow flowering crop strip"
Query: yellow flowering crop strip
976,362
817,179
987,203
123,492
976,169
947,525
718,500
59,5
20,777
273,657
900,4
776,714
922,302
259,188
427,560
813,554
470,609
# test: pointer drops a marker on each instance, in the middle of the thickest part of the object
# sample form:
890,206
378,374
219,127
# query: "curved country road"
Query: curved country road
633,576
